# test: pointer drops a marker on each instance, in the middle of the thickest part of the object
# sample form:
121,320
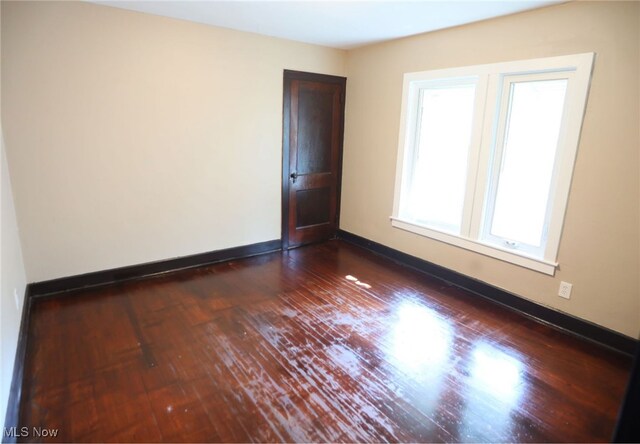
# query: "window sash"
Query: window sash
502,119
416,100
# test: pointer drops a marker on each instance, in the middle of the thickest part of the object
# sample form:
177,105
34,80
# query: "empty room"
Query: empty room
320,221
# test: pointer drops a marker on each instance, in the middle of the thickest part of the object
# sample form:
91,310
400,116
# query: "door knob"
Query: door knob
293,176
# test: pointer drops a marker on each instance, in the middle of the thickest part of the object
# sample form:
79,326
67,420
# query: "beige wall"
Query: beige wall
135,138
599,250
12,279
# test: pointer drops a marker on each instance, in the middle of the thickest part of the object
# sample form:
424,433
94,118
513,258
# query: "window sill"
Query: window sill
521,260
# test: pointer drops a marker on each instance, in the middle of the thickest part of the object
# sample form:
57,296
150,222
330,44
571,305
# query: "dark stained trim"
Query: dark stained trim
314,77
288,76
12,417
115,275
563,321
628,426
286,116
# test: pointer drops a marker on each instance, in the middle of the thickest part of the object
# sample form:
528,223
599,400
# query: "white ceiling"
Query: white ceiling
338,24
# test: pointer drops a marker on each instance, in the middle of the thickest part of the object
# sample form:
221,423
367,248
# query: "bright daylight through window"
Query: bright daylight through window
486,155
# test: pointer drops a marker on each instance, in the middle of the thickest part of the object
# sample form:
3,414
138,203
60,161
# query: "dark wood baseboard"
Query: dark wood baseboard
56,287
114,275
60,286
628,426
261,323
571,324
12,417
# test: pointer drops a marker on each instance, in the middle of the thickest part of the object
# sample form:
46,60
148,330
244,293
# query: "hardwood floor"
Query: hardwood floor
324,343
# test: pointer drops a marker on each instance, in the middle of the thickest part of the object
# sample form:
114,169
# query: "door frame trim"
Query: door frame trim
288,76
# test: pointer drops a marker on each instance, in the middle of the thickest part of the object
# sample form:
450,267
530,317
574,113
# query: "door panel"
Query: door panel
313,207
312,155
315,108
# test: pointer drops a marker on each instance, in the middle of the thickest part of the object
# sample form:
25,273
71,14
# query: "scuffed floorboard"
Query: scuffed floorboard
326,343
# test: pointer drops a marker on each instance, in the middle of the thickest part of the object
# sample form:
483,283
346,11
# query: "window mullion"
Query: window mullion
495,151
492,97
473,163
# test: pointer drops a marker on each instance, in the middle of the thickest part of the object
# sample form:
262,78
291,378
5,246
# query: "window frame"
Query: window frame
488,111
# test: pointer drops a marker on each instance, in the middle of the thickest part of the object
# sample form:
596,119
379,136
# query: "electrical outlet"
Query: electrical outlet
15,296
565,290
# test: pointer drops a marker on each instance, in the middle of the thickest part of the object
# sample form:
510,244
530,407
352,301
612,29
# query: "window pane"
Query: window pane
440,169
530,142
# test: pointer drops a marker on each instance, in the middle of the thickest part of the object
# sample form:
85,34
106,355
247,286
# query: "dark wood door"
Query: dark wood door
313,124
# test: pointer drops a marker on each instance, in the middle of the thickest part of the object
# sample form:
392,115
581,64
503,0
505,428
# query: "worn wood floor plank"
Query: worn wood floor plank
326,343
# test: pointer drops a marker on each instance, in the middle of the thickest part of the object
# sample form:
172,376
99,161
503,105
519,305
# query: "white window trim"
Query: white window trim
490,78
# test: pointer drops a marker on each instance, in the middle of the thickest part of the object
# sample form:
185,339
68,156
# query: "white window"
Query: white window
486,155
